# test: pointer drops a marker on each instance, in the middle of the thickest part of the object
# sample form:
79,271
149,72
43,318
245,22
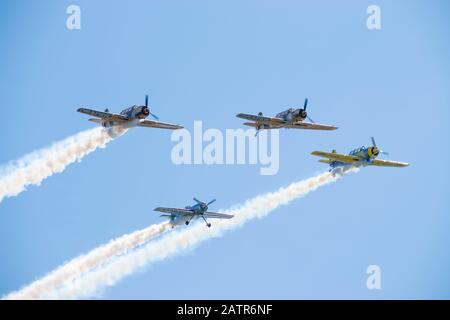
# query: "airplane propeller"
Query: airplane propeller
375,145
304,113
310,119
146,104
204,204
304,108
196,200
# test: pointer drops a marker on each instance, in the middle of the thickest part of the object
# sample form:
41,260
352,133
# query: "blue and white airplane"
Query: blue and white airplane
290,118
130,117
179,216
361,157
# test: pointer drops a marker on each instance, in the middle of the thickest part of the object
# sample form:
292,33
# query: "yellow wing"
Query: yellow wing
336,156
386,163
328,161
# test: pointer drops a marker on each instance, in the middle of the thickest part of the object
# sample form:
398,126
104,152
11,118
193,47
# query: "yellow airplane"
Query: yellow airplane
360,157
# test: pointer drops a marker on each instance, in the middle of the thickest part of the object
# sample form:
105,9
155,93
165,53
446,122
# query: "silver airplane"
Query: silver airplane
132,116
360,157
291,118
179,216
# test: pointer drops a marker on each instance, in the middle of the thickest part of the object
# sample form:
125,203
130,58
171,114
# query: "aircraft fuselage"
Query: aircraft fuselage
136,112
366,154
176,220
292,115
133,113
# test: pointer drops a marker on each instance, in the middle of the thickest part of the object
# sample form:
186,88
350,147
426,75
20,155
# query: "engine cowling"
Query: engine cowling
300,113
373,152
145,111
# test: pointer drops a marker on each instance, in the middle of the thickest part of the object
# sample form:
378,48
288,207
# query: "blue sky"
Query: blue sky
208,60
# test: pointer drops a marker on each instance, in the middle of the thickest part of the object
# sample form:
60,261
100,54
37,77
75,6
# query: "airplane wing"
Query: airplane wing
310,126
215,215
158,124
260,119
328,161
386,163
336,156
176,211
104,115
254,125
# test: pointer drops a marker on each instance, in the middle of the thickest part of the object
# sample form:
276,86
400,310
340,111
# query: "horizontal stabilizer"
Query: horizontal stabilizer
325,161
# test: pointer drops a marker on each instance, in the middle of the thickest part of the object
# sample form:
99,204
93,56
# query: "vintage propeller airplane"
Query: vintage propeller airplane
360,157
179,216
132,116
291,119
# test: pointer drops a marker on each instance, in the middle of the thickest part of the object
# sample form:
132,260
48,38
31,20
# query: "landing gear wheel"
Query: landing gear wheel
209,225
187,223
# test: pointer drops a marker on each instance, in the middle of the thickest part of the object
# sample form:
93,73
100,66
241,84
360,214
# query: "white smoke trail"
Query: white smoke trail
177,241
84,263
38,165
